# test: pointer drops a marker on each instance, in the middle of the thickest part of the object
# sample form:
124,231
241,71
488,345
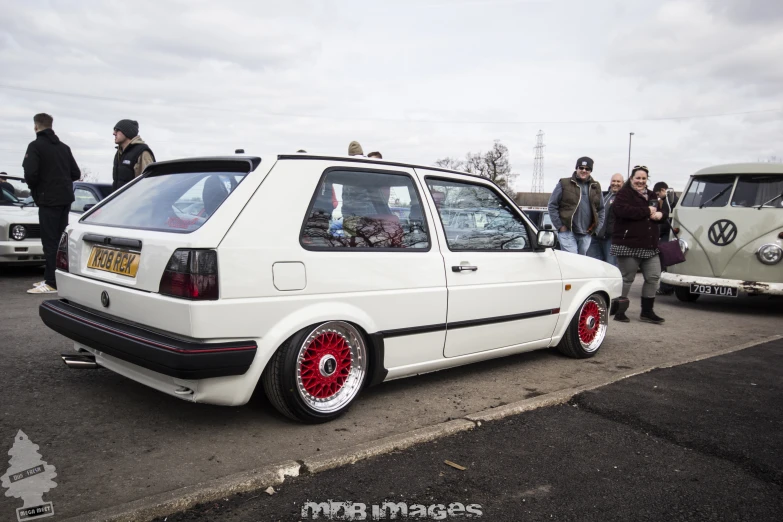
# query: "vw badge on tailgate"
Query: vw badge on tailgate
105,299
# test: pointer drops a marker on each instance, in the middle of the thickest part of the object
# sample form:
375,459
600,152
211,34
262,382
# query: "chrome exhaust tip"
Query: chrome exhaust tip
80,362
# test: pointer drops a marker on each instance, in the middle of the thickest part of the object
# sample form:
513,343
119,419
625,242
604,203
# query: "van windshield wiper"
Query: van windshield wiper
716,196
770,201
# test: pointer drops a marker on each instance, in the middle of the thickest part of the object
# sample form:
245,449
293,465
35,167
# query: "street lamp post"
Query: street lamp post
630,137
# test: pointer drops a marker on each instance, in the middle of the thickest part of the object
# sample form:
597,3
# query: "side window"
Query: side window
476,218
82,197
361,209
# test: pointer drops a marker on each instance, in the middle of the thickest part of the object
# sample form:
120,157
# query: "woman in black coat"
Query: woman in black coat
637,213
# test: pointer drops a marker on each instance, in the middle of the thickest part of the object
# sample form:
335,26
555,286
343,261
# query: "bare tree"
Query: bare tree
493,164
88,176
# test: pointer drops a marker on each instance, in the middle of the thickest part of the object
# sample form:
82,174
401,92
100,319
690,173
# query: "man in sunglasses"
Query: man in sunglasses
576,208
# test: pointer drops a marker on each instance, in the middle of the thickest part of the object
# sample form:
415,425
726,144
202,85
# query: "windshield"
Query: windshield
180,202
708,191
13,190
755,190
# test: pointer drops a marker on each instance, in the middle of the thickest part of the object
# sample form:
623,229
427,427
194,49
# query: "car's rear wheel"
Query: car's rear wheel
587,330
318,373
684,294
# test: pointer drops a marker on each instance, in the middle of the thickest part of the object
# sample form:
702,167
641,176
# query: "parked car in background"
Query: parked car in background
87,195
207,278
20,235
540,218
729,222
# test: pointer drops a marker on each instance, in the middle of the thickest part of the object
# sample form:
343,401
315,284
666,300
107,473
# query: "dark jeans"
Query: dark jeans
53,221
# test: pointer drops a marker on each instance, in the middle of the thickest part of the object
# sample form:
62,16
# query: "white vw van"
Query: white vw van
730,223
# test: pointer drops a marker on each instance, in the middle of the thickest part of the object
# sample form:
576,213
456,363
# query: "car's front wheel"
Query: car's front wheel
587,330
684,294
318,373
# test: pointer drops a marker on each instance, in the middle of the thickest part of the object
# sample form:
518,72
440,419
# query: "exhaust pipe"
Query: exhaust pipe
81,362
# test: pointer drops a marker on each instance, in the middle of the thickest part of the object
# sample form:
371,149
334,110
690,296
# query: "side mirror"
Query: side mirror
88,206
546,239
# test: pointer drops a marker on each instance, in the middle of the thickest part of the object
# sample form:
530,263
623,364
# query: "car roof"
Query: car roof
742,168
372,161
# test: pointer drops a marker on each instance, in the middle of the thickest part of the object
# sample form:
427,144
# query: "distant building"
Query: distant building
532,199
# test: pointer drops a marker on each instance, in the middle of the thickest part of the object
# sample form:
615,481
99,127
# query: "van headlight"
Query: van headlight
770,254
18,232
683,245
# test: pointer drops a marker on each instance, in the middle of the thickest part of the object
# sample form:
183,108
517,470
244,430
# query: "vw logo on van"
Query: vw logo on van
722,232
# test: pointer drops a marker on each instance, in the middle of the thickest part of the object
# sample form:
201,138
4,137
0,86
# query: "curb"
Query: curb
185,498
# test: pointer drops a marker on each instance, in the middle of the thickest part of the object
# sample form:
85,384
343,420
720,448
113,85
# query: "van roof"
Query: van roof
742,168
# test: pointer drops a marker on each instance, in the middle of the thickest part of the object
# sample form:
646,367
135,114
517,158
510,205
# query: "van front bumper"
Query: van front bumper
745,287
159,353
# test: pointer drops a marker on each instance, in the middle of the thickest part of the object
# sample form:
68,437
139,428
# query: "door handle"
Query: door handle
464,268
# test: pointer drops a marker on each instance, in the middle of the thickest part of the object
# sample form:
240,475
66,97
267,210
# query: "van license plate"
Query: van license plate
720,291
115,261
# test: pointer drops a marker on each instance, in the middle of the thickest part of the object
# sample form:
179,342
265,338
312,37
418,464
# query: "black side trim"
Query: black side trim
356,159
416,330
377,372
166,355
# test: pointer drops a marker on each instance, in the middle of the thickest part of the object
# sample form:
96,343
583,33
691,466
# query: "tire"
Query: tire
684,294
316,375
587,330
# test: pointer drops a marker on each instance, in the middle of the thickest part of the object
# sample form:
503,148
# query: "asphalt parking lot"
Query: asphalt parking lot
701,441
114,441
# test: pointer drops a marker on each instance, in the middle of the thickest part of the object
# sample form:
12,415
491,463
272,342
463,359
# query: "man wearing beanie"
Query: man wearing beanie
133,155
576,208
355,149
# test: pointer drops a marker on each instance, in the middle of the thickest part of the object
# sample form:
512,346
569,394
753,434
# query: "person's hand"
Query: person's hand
564,229
657,216
653,210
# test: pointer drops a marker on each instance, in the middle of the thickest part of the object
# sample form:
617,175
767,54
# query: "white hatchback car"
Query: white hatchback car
205,277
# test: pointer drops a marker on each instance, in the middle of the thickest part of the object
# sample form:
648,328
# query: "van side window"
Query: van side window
365,210
476,218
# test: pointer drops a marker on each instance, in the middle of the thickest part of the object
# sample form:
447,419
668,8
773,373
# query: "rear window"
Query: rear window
709,191
756,190
180,202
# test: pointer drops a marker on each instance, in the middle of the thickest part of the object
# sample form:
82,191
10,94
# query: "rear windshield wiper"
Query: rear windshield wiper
770,201
716,196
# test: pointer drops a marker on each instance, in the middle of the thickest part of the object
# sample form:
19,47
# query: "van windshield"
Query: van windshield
755,190
708,191
179,202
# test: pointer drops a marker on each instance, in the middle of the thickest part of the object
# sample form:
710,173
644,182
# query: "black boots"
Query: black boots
647,315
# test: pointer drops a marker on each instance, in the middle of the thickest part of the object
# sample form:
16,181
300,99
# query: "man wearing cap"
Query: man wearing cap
133,155
576,208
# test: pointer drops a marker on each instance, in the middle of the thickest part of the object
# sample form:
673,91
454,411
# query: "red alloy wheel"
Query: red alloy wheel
589,321
325,365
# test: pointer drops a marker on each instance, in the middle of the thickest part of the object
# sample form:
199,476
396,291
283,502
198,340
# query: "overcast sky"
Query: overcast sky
416,79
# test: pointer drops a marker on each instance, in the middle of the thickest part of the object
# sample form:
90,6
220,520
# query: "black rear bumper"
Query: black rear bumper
619,305
162,354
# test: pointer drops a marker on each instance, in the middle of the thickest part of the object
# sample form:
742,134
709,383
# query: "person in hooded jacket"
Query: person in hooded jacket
133,155
50,170
637,213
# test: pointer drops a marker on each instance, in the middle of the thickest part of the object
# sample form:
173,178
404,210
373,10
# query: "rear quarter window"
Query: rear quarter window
175,202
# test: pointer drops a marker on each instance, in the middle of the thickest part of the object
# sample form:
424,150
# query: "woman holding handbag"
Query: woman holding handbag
637,213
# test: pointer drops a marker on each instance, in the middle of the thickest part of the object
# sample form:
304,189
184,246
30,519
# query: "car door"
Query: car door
501,292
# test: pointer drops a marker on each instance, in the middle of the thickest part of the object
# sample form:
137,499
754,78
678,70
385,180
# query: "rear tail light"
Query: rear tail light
62,253
191,274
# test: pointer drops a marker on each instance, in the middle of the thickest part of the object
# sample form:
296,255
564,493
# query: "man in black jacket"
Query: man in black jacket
668,200
133,155
50,170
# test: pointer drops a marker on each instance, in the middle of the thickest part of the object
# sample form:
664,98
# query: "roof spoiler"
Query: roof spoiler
205,164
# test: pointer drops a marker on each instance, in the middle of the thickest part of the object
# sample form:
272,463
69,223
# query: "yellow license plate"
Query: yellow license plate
116,261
